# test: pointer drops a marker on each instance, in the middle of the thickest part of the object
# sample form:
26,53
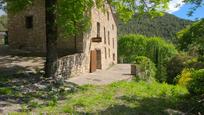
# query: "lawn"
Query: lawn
122,98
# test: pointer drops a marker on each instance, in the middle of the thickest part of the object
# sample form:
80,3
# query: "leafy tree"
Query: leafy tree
191,38
155,48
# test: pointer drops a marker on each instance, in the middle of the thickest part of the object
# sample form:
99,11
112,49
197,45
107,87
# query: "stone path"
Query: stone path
116,73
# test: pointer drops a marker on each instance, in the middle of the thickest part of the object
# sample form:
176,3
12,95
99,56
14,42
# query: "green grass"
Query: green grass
121,98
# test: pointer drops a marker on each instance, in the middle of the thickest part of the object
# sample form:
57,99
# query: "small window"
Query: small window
98,29
108,17
109,53
105,53
113,43
112,27
108,38
104,35
113,56
29,22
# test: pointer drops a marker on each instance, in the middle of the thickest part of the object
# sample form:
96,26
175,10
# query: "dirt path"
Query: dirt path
116,73
15,61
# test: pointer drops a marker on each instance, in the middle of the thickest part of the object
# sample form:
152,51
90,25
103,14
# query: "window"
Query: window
109,52
29,22
112,27
113,43
104,35
105,53
108,15
108,38
98,29
113,56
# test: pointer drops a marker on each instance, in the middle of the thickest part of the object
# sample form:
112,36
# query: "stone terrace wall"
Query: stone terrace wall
72,65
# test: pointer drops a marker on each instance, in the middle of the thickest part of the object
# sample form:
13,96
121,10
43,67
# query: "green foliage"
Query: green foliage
195,85
179,62
6,91
158,50
73,16
175,66
17,5
127,8
147,68
191,38
166,26
185,77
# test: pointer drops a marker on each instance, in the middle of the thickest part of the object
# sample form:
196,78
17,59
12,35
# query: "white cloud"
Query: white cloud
175,5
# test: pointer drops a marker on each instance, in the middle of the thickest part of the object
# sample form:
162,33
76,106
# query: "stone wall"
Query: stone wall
72,65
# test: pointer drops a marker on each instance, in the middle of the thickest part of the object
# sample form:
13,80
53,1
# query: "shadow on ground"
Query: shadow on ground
23,92
154,106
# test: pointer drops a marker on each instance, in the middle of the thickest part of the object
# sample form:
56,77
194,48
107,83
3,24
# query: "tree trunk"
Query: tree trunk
51,39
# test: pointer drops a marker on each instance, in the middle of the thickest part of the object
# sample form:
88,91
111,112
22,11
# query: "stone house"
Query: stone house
96,49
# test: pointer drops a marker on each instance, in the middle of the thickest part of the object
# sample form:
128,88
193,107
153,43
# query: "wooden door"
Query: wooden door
98,57
93,61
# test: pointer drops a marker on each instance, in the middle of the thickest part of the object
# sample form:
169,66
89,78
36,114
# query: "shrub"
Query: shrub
147,68
155,48
196,84
185,77
179,63
175,67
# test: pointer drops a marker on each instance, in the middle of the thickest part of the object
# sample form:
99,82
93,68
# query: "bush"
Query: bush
196,84
179,63
155,48
175,67
185,77
147,68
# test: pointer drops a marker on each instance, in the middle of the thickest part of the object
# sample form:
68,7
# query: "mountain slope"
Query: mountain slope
166,26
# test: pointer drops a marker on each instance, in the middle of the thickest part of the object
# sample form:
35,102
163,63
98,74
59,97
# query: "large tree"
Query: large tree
72,16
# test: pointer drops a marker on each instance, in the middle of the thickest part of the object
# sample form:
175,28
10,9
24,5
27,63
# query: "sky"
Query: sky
179,9
182,10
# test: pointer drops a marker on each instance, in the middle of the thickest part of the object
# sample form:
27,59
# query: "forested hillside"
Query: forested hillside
166,26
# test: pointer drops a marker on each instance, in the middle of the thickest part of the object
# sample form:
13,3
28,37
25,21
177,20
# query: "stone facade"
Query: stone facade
103,26
108,33
21,37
